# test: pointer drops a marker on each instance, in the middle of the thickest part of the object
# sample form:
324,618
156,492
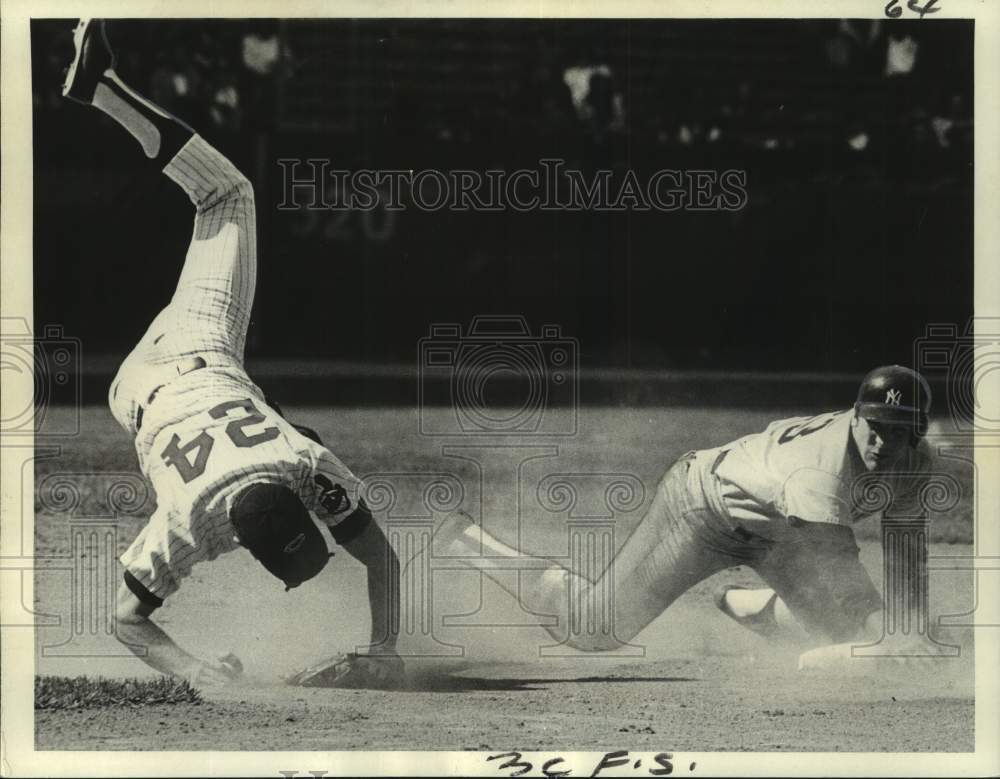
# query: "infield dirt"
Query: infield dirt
697,683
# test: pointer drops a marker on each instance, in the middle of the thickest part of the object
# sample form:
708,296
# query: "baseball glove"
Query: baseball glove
353,671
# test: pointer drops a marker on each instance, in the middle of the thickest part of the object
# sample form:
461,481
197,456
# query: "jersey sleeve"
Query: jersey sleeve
152,563
168,547
795,467
332,491
815,495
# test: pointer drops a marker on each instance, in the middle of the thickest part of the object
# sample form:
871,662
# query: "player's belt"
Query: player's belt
185,366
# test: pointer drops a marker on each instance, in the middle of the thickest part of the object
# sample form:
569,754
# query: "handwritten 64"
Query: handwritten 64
610,764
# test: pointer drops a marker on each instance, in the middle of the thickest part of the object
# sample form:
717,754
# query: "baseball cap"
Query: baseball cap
277,529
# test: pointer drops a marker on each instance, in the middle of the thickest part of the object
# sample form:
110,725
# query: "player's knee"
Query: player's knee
231,188
242,189
232,181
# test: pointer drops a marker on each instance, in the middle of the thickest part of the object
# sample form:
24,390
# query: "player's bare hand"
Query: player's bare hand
919,656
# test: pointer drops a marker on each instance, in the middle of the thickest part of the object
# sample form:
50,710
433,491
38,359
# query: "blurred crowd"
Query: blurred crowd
214,74
856,137
860,88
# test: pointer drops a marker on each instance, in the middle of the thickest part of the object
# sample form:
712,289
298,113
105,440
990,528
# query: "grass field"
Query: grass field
82,692
695,681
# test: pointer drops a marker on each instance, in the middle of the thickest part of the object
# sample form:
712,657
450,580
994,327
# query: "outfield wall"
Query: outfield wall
356,384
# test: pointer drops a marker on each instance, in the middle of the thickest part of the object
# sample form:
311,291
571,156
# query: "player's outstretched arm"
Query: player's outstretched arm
915,652
139,632
372,549
377,666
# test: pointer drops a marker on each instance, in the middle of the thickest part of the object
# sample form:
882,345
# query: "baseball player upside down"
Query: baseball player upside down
227,469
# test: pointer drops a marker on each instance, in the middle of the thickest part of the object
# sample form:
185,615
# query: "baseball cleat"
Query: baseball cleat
763,622
92,57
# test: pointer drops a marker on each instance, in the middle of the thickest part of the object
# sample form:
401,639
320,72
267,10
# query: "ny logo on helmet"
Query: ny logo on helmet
893,397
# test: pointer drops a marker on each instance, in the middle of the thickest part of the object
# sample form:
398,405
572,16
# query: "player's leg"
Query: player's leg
678,543
821,586
91,80
208,317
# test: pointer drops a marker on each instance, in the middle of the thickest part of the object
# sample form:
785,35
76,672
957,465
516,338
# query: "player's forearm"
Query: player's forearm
373,550
152,645
383,599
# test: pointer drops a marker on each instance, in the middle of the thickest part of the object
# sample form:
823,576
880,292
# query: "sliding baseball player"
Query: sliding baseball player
780,501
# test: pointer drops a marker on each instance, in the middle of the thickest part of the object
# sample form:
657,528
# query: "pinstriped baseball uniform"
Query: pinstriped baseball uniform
209,313
203,431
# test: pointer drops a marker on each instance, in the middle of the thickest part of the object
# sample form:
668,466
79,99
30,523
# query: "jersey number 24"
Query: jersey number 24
191,458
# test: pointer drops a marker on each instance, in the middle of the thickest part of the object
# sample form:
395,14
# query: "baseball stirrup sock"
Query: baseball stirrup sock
160,134
545,588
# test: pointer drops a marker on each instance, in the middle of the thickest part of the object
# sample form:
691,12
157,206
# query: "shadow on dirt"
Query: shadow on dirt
452,683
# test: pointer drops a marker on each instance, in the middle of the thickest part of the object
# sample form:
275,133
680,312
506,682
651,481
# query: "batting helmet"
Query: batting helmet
897,395
276,528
